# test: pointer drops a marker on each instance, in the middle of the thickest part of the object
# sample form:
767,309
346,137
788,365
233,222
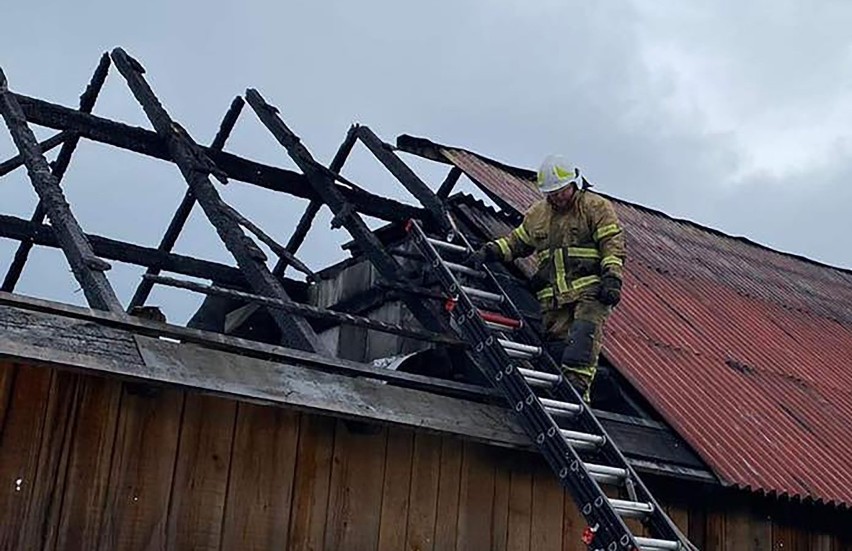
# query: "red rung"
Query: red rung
450,304
499,319
589,534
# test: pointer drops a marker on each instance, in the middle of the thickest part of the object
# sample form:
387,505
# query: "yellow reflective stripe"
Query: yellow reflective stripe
543,255
583,282
559,261
584,371
522,234
583,252
545,293
606,231
611,261
504,248
575,285
564,174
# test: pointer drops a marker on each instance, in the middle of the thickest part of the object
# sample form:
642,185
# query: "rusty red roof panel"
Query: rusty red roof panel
745,351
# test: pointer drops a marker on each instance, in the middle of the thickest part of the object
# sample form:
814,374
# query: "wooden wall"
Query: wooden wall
93,463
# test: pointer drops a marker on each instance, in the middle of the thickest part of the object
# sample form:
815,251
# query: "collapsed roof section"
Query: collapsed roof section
252,279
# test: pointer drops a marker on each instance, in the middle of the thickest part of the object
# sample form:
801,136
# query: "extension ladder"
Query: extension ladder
512,357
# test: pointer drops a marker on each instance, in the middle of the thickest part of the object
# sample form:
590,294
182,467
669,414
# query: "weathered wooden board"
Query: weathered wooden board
747,530
396,490
476,498
200,482
573,524
500,514
142,473
262,478
547,511
423,500
49,485
88,475
309,508
446,523
355,497
520,510
20,443
66,334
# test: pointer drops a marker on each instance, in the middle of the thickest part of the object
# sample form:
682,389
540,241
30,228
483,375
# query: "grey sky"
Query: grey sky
735,116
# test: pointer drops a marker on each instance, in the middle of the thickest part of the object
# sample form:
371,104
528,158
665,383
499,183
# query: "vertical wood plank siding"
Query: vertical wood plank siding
92,463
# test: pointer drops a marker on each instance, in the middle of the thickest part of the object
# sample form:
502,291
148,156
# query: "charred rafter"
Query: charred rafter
58,167
87,268
183,211
322,182
196,167
384,152
18,161
314,206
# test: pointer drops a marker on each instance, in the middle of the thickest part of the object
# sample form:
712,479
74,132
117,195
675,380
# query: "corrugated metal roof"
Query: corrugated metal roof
745,351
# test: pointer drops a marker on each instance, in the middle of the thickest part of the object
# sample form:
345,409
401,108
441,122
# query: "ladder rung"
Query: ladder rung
536,375
485,295
529,349
555,406
518,354
463,269
539,383
500,320
651,544
633,509
582,439
605,473
498,327
447,246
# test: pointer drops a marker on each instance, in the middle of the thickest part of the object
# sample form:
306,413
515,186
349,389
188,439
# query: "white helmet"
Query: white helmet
556,173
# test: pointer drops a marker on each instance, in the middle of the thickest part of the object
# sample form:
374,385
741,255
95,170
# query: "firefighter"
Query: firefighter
580,248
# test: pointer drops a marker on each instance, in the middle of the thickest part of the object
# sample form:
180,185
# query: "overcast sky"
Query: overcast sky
734,115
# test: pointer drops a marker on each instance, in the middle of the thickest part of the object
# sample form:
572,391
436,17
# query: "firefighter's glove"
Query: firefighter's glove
479,257
610,290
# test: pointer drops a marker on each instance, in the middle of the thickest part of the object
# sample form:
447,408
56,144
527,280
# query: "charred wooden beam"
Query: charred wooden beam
43,235
183,211
17,161
385,154
149,143
309,311
298,236
307,219
282,252
450,182
344,213
87,268
58,167
195,167
63,313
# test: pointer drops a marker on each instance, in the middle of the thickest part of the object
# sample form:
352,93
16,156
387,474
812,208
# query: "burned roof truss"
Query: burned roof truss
250,280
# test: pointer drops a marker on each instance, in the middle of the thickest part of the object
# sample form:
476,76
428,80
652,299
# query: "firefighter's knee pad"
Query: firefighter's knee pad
581,343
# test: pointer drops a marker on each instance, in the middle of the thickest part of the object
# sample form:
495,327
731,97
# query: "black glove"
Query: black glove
610,290
479,257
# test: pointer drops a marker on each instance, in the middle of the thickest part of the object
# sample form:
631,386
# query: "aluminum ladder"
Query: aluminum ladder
512,357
